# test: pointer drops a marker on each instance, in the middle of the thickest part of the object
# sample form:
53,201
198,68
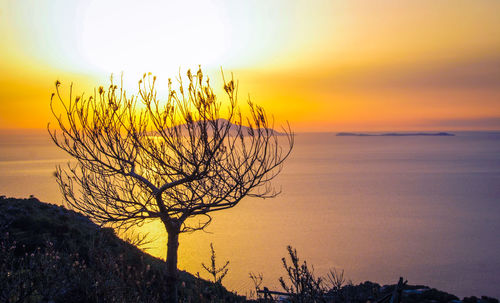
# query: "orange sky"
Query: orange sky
322,65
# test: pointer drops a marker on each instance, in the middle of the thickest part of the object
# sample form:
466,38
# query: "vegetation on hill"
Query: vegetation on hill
301,285
51,254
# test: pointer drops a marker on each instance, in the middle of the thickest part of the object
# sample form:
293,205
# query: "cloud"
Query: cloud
491,123
481,73
477,74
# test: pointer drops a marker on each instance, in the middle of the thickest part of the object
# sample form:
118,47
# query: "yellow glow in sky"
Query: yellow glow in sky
322,65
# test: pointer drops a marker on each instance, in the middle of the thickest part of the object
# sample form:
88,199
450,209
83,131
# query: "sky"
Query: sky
321,65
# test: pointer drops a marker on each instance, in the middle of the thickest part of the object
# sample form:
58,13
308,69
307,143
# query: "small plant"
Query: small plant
217,273
336,279
304,286
257,282
300,284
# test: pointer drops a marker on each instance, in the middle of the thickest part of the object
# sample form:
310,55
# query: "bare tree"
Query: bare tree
139,158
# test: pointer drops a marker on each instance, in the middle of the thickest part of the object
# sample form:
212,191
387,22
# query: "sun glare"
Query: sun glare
141,37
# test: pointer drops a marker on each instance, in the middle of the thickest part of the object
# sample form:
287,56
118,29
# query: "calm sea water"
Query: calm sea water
425,208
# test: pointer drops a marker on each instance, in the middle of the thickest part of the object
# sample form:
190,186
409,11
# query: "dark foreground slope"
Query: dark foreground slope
372,292
51,254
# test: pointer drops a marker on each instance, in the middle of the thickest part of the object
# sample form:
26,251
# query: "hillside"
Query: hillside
51,254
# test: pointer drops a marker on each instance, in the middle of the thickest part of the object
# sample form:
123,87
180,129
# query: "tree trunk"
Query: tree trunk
172,276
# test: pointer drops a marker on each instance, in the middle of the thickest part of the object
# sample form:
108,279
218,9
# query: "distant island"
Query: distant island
343,134
234,129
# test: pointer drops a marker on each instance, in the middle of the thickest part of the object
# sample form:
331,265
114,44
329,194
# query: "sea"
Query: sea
426,208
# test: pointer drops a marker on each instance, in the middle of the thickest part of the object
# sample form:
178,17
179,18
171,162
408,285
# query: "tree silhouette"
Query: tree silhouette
138,158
